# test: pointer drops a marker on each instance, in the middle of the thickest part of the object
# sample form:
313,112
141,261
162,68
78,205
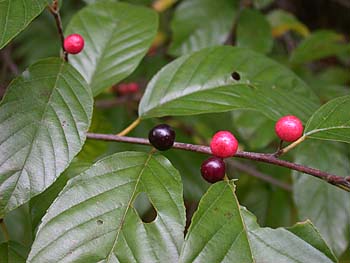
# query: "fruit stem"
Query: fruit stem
289,147
4,230
54,10
132,126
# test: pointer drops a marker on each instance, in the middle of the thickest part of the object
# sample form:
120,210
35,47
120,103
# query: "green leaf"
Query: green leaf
117,36
330,83
254,31
262,3
300,243
95,220
327,206
19,228
270,204
15,16
331,121
282,22
13,252
40,203
201,23
201,82
221,231
217,232
43,120
319,44
254,127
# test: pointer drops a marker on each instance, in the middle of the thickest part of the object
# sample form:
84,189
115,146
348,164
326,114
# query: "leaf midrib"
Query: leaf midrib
128,207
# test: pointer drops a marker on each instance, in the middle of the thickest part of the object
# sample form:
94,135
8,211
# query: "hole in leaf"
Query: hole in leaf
144,208
235,75
99,222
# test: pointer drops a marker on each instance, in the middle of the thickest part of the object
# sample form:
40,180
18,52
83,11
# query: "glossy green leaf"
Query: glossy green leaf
39,204
201,82
221,231
281,22
331,121
254,31
319,44
300,243
93,218
217,232
13,252
201,23
327,206
117,36
43,120
15,16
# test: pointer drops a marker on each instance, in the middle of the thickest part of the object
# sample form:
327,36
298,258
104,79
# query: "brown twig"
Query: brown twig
339,181
54,10
255,173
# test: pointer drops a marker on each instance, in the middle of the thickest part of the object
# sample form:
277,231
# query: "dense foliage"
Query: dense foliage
68,193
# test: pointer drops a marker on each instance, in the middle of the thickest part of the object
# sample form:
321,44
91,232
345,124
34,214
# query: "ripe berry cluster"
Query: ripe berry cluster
223,144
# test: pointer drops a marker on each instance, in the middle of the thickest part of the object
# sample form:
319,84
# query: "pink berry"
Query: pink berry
133,87
73,44
289,128
223,144
123,89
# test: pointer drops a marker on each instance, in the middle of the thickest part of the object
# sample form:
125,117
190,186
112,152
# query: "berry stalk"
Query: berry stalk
54,10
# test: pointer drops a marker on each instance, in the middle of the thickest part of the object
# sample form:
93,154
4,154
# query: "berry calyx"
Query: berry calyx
289,128
213,169
223,144
73,44
162,137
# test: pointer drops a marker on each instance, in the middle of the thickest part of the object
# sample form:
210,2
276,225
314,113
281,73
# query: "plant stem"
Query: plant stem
54,10
290,146
128,129
339,181
4,230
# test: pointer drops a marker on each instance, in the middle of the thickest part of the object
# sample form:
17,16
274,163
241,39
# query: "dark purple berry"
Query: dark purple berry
162,137
213,169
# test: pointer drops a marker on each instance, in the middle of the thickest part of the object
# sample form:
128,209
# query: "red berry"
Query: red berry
223,144
213,169
123,89
73,44
289,128
133,87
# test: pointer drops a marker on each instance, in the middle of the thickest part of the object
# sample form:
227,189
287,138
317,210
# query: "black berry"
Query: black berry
162,137
213,169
